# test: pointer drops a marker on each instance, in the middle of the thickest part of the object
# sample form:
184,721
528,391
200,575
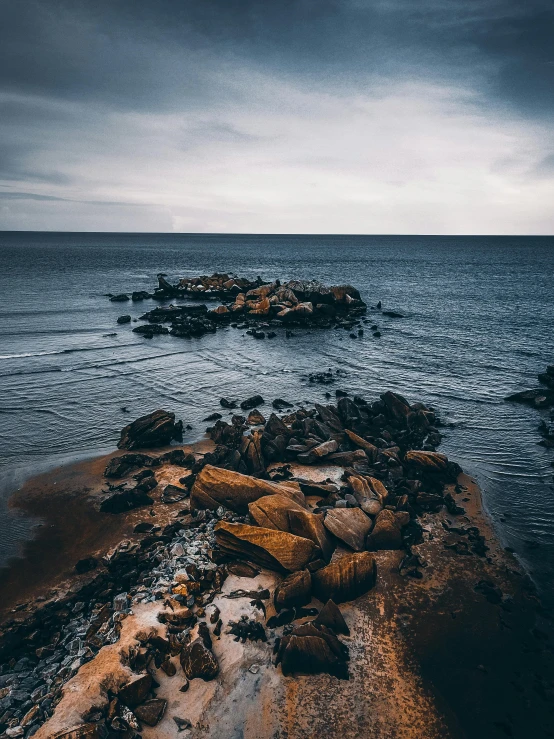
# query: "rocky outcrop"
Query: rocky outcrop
387,532
215,486
273,511
153,430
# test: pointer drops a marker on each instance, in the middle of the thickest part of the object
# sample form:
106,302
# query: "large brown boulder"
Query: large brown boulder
153,430
215,486
350,525
272,511
311,526
198,661
387,532
295,590
346,579
274,550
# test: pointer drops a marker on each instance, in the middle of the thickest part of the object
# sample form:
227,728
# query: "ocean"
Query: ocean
478,317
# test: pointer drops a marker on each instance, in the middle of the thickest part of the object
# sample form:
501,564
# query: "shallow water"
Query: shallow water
478,325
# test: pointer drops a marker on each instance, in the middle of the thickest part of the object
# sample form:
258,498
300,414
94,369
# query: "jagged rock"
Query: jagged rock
126,463
215,486
370,449
387,532
318,452
397,406
272,511
294,590
350,525
275,550
331,617
312,649
226,403
279,404
255,418
135,691
310,526
154,429
348,459
151,712
251,452
199,661
433,462
346,579
252,402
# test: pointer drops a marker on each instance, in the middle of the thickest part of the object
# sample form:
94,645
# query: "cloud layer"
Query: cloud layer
305,116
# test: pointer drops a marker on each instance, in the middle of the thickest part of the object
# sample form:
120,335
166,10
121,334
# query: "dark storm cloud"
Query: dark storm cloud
146,54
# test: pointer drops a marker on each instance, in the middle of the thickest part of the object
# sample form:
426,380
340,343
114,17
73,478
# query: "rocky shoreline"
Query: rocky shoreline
276,539
542,399
256,306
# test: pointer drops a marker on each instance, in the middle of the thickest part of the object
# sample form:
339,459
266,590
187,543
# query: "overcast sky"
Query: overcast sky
277,116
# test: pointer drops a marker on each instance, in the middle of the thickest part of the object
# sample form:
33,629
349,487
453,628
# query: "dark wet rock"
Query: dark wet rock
294,590
312,649
139,295
226,403
125,500
121,298
241,569
346,579
199,661
279,404
86,565
255,418
126,463
136,690
331,617
252,402
274,550
153,430
124,319
213,417
350,525
151,712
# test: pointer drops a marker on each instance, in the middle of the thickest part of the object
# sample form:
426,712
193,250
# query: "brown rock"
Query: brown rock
387,532
151,712
255,418
370,449
294,590
198,661
215,486
275,550
427,461
350,525
251,452
135,691
310,526
348,459
272,511
312,649
346,579
331,617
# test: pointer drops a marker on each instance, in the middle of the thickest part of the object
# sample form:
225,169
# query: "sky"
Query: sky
277,116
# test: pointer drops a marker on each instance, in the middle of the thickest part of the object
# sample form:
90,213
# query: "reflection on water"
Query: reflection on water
478,326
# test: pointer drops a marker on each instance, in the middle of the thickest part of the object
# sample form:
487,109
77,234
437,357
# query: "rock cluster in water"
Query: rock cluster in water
255,306
541,398
242,510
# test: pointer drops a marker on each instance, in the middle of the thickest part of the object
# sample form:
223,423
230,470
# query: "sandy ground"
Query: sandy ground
430,658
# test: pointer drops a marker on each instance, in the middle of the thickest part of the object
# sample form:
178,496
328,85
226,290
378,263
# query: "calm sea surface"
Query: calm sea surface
479,317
